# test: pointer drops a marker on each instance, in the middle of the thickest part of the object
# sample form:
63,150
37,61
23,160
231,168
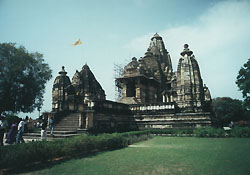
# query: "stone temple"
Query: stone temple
152,95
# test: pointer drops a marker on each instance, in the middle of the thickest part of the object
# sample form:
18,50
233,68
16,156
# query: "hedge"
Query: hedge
20,156
218,132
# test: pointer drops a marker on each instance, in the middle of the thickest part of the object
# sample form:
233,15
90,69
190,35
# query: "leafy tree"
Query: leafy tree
226,110
12,119
243,83
23,78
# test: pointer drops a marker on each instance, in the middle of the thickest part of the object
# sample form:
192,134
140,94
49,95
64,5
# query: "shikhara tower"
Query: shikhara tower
151,80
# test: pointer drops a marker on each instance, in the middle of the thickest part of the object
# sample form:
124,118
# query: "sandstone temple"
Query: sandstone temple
152,95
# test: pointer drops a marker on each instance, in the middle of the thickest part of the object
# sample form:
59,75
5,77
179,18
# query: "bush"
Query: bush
172,132
240,132
209,132
218,132
22,155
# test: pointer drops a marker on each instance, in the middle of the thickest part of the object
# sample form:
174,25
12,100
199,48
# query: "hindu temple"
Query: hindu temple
153,95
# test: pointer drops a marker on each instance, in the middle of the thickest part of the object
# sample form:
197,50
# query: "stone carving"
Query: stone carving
84,88
154,95
190,92
59,91
152,80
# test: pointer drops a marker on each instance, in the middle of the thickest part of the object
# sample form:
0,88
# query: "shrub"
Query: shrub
21,155
240,132
218,132
172,132
209,132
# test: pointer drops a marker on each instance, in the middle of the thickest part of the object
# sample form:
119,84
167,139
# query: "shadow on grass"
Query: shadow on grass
36,166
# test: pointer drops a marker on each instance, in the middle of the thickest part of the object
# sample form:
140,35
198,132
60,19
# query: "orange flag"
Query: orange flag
78,42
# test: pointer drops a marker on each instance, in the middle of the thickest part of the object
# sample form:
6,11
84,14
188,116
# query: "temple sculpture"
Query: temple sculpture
83,89
153,95
152,80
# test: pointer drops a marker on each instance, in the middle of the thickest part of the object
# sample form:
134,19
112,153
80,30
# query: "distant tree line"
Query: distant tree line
226,109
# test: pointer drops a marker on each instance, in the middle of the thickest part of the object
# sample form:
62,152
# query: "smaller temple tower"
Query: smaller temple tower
190,90
86,86
77,95
60,91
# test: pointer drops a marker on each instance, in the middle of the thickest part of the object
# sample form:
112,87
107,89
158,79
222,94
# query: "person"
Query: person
38,124
3,128
11,137
51,126
26,129
20,130
43,130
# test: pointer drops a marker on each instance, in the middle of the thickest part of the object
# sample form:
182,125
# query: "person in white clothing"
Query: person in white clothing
20,130
43,130
51,126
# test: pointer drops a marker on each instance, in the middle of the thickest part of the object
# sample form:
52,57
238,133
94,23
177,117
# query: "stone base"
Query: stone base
173,121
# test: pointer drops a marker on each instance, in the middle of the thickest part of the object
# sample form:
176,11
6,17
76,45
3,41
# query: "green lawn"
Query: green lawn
165,155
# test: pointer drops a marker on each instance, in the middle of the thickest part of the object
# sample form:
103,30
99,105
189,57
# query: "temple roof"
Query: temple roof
186,51
62,72
62,80
156,46
85,66
85,81
157,36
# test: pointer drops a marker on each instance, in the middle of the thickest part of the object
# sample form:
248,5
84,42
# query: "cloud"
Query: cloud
219,38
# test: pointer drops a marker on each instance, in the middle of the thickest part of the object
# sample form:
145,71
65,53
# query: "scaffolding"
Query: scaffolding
118,72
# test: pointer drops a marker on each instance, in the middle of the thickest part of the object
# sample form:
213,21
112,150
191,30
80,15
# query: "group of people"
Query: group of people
15,133
44,128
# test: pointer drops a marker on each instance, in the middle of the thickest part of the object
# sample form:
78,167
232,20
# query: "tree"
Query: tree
23,77
226,110
12,119
243,83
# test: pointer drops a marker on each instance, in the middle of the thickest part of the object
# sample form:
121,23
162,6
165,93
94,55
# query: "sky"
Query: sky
114,31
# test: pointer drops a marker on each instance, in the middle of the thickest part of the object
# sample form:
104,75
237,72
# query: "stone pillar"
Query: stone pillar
171,99
167,98
82,120
138,92
124,90
89,119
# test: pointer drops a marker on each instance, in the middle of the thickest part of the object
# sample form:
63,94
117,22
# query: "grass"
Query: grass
164,155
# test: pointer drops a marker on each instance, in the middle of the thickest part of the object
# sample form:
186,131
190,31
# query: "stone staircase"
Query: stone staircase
57,135
69,123
66,126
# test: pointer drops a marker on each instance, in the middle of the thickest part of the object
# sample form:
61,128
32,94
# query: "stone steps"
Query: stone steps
57,134
73,129
68,123
64,128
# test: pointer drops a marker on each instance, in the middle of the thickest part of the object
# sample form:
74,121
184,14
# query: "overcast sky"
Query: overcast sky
113,31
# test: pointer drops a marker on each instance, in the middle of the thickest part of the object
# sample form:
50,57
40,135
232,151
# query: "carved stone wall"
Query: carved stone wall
153,96
60,90
149,76
76,95
151,79
190,91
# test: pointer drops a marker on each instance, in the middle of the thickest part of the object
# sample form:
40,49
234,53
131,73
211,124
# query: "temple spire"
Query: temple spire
62,72
189,82
186,51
